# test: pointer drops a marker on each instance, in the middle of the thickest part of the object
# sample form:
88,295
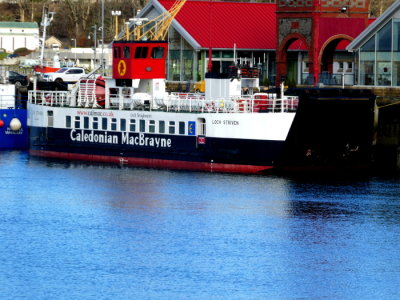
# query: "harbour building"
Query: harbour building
377,50
301,42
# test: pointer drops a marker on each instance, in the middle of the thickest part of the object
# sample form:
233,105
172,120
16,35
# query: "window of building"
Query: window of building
187,62
367,63
349,66
384,56
396,52
384,38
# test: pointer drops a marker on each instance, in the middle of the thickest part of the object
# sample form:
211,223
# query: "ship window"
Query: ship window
181,127
127,52
141,52
142,125
171,127
114,124
95,123
104,123
68,121
132,125
117,52
86,122
77,122
161,127
157,52
122,124
152,126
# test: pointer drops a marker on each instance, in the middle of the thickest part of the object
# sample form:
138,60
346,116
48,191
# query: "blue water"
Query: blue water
81,231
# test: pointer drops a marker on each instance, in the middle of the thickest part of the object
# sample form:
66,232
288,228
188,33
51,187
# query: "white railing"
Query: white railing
49,98
177,102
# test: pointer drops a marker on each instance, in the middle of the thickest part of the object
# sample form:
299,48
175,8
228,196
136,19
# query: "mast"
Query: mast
47,17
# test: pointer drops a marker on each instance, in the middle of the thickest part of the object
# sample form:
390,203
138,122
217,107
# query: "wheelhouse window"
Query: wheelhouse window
132,125
68,121
127,52
117,52
77,122
141,52
157,52
171,127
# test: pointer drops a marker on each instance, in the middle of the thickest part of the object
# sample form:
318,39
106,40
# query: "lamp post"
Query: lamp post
95,43
75,51
116,14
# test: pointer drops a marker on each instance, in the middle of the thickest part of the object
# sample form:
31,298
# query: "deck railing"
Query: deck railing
176,102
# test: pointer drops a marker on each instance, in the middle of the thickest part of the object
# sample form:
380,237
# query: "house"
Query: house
14,35
53,43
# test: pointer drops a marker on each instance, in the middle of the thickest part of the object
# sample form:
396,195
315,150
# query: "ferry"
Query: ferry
13,120
130,118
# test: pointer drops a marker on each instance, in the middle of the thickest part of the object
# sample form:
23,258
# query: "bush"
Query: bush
3,55
22,51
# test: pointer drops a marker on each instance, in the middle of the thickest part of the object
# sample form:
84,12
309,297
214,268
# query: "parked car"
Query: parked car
65,75
17,79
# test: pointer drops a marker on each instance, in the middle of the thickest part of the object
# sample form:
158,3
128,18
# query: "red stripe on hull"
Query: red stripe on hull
155,163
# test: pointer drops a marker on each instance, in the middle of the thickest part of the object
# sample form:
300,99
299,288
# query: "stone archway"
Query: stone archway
282,57
326,55
320,23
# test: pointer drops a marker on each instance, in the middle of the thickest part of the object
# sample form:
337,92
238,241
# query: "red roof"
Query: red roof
223,24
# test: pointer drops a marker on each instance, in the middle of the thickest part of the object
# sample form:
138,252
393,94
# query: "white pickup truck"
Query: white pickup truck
65,75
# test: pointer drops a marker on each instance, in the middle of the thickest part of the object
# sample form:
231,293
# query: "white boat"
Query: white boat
130,119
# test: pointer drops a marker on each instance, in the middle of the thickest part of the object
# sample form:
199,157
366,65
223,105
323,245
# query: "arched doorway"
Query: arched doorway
287,59
336,64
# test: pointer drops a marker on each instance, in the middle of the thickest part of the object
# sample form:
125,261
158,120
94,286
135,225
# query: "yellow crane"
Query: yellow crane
157,28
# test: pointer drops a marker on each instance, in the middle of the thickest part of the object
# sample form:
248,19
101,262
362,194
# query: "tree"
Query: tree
377,7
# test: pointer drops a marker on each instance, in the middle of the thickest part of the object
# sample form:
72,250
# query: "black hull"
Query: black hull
219,155
333,132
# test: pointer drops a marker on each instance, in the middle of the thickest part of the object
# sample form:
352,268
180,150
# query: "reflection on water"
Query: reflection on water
75,230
